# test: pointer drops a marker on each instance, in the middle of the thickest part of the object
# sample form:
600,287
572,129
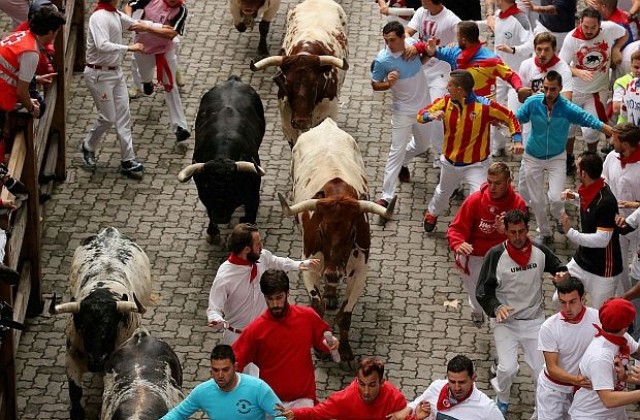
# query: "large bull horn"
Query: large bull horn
274,60
306,205
124,306
371,207
244,166
64,308
188,172
341,63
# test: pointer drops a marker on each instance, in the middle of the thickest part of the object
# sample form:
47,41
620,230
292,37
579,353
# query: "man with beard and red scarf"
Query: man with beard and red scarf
235,299
607,398
167,20
598,260
621,172
478,227
510,291
456,397
279,343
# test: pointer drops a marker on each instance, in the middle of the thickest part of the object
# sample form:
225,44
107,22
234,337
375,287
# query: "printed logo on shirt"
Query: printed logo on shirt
526,267
594,57
472,115
487,226
243,406
508,35
536,85
429,28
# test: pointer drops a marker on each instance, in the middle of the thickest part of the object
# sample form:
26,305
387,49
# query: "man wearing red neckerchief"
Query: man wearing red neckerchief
591,49
564,337
510,291
607,398
621,172
235,298
598,260
456,397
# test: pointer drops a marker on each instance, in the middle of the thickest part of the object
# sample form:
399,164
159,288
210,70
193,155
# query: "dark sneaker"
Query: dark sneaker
560,228
8,276
429,222
88,158
404,175
477,319
457,194
498,153
132,169
382,202
543,239
147,88
571,165
182,134
17,188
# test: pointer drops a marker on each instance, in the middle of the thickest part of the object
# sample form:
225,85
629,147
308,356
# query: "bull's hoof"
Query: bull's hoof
77,413
346,354
214,239
263,50
241,27
331,302
318,306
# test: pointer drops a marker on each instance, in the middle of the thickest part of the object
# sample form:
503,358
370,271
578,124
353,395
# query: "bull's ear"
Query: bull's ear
279,80
125,297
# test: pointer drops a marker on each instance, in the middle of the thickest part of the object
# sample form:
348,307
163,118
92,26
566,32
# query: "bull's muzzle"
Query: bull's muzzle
301,123
334,276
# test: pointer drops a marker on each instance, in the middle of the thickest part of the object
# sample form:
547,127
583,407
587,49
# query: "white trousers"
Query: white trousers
587,102
109,91
451,176
507,96
230,337
534,184
552,404
508,337
598,288
470,281
146,64
628,244
402,150
437,87
300,402
3,244
533,16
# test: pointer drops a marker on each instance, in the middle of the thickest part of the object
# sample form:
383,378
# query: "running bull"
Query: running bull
331,195
229,130
111,286
312,62
143,380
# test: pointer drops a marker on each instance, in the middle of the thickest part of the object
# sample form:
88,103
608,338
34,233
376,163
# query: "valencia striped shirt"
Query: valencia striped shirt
467,126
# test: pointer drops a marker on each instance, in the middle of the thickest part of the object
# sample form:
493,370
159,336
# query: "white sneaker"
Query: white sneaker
134,93
436,163
179,79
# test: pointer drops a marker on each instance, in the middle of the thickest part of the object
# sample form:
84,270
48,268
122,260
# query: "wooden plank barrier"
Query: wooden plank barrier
38,158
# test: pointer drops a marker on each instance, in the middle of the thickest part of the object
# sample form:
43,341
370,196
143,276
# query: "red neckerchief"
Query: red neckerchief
513,10
180,3
575,320
587,194
445,401
615,339
234,259
580,35
632,158
162,68
467,54
545,67
106,6
520,256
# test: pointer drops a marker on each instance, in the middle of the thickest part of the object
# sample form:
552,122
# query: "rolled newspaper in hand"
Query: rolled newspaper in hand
400,11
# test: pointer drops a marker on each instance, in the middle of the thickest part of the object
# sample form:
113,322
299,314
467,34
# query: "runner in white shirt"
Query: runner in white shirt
235,298
457,397
607,398
590,49
433,20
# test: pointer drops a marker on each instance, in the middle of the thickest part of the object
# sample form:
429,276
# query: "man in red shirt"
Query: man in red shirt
279,340
369,396
478,227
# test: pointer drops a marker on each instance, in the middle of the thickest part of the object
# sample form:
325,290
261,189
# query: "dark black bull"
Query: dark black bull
143,379
230,126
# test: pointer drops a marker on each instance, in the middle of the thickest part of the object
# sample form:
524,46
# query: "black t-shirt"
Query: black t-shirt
601,213
464,9
565,18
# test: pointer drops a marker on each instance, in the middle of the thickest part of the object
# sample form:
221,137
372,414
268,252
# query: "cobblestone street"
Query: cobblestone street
401,317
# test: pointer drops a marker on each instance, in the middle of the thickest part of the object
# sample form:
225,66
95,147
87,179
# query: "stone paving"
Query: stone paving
401,317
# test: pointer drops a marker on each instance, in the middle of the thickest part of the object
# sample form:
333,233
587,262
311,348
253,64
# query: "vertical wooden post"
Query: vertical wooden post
58,121
8,408
81,45
31,246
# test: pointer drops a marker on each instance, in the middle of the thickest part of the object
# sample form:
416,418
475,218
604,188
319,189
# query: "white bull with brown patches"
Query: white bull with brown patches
313,64
111,283
331,194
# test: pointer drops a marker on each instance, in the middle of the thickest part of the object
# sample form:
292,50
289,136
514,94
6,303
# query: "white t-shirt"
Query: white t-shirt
597,365
477,407
631,101
568,340
514,31
532,76
593,55
442,26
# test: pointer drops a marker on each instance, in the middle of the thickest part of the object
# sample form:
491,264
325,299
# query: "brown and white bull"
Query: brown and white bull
111,286
244,13
312,62
331,194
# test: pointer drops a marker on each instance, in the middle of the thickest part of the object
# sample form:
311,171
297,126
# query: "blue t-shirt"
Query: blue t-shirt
251,399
